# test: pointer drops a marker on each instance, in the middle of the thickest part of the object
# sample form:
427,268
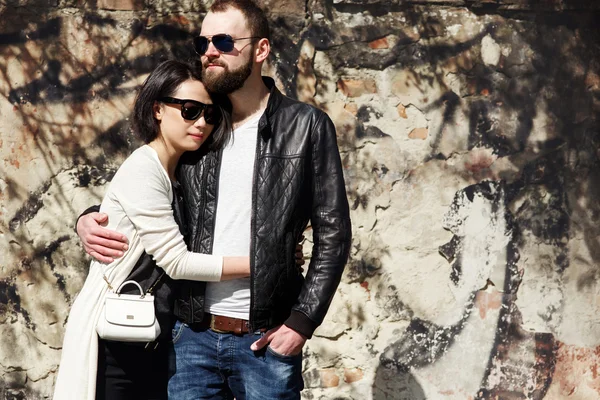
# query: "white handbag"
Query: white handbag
128,317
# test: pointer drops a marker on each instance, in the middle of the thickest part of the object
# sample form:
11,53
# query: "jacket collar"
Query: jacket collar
275,99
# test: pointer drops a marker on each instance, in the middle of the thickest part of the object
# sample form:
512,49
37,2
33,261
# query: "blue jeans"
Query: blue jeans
209,365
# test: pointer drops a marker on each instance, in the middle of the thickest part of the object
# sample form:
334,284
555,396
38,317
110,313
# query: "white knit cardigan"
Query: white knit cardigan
138,203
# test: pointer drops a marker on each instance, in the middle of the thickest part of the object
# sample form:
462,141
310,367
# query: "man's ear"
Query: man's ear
263,48
157,111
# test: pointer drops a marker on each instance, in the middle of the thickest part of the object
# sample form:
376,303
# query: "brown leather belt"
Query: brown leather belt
222,324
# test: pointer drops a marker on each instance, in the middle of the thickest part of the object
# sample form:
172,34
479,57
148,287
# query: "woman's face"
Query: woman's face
175,131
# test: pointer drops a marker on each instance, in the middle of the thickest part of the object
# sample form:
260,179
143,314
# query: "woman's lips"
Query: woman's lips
197,136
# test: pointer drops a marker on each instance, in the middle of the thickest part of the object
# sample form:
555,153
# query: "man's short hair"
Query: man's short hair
255,16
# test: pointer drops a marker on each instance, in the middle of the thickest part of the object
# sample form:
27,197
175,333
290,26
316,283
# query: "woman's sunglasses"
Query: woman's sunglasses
191,110
222,42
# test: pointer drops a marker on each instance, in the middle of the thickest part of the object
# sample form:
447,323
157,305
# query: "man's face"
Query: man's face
227,72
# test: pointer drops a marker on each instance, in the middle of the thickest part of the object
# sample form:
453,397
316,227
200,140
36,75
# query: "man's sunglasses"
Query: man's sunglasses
222,42
191,110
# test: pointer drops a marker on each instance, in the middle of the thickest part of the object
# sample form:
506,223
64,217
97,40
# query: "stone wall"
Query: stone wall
470,136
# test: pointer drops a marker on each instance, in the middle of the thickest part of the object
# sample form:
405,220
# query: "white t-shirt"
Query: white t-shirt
232,226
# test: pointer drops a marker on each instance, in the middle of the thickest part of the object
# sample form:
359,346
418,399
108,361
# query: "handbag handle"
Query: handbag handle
149,291
142,294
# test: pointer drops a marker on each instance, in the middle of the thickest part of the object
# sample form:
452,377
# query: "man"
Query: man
244,338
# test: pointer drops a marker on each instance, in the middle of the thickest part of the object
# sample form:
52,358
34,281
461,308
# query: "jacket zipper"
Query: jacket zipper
217,180
212,236
252,313
203,201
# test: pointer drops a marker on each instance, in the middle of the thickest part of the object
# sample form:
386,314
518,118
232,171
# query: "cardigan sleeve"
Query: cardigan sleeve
143,190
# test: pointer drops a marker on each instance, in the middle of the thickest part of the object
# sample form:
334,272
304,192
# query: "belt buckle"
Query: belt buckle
212,325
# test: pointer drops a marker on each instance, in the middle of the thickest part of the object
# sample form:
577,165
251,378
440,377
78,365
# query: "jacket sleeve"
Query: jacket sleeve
89,210
332,231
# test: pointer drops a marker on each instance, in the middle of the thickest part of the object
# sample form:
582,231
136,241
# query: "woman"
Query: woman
173,113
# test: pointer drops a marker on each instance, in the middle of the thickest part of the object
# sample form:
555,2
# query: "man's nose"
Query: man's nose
211,50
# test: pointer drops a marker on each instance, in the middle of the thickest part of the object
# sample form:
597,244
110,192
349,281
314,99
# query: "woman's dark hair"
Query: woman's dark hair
164,81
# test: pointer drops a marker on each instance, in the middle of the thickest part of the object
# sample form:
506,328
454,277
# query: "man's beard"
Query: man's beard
227,81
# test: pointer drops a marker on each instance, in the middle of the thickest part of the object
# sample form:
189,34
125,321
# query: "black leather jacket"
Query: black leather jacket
297,178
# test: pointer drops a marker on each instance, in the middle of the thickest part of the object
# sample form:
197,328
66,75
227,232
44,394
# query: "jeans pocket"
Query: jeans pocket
283,357
177,331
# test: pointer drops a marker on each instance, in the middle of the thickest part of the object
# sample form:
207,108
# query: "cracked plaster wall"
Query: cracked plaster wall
469,135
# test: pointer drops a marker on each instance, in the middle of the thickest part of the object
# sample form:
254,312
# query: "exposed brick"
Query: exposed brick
180,19
329,377
576,367
365,285
486,301
419,133
402,111
379,44
357,87
592,80
352,108
353,374
123,5
479,161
